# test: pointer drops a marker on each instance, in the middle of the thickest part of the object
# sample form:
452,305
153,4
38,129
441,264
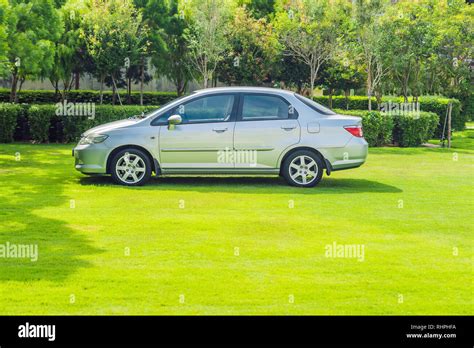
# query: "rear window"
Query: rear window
262,107
315,106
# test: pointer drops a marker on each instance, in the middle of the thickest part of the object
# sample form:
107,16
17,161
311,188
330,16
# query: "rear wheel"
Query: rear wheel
303,168
131,167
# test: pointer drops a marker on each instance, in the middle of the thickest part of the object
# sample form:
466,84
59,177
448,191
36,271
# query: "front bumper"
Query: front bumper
91,158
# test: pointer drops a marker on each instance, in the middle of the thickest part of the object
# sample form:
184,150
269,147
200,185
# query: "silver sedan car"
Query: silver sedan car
230,130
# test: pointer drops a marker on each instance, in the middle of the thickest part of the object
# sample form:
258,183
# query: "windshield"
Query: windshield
156,111
315,106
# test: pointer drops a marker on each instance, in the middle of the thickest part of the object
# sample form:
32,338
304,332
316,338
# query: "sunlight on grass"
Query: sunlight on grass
230,245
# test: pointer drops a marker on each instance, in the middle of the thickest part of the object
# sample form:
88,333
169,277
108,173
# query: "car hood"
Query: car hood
103,128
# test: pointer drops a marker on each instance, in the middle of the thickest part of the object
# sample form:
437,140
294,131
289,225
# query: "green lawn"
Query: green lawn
184,260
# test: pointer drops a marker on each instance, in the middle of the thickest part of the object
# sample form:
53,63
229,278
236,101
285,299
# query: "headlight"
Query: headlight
93,139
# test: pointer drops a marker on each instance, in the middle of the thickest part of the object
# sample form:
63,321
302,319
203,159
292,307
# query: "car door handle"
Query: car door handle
219,130
288,128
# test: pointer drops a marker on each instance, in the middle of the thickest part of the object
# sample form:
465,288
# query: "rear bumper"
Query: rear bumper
353,155
91,159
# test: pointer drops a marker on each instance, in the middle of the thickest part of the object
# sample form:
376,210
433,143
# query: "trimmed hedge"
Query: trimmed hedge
40,123
438,105
414,131
404,130
9,114
378,127
83,96
350,103
434,104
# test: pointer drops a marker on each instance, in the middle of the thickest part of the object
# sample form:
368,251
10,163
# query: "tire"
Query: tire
130,167
294,171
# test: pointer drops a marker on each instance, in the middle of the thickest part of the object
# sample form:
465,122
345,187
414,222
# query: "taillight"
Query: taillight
355,130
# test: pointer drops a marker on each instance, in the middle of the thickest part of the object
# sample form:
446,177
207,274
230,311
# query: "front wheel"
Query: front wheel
131,167
303,168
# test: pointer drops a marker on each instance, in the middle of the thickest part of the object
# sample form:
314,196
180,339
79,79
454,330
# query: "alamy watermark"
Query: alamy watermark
237,156
19,251
397,109
66,108
28,330
354,251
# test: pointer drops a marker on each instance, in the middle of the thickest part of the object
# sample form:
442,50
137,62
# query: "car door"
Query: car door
266,125
205,133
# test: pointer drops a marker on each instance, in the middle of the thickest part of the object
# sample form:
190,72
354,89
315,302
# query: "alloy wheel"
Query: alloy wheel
130,168
303,170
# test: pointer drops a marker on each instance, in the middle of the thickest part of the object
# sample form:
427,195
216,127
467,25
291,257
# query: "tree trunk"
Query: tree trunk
369,88
142,78
180,86
22,80
378,96
312,78
346,96
405,91
56,89
101,89
129,90
204,75
14,86
116,92
330,97
77,80
300,87
114,97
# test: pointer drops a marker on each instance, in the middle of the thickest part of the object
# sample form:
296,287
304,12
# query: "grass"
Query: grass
230,245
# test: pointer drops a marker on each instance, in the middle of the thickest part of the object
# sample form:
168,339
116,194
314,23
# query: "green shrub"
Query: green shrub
74,126
349,103
402,129
377,126
39,121
9,114
467,104
83,96
22,130
415,130
438,105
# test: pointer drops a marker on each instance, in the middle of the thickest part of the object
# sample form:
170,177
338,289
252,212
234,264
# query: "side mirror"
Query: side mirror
174,120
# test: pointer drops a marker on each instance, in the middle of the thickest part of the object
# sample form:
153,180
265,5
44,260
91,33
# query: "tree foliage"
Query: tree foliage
406,48
252,51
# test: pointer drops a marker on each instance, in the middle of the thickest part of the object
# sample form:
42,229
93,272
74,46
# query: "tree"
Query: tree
71,55
340,73
170,53
448,69
409,33
252,52
258,8
34,27
308,31
368,44
206,36
4,67
289,72
114,34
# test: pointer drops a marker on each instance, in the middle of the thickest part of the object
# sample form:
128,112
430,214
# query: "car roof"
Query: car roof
244,89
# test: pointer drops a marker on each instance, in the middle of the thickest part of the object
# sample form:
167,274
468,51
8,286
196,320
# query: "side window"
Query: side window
216,108
264,107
